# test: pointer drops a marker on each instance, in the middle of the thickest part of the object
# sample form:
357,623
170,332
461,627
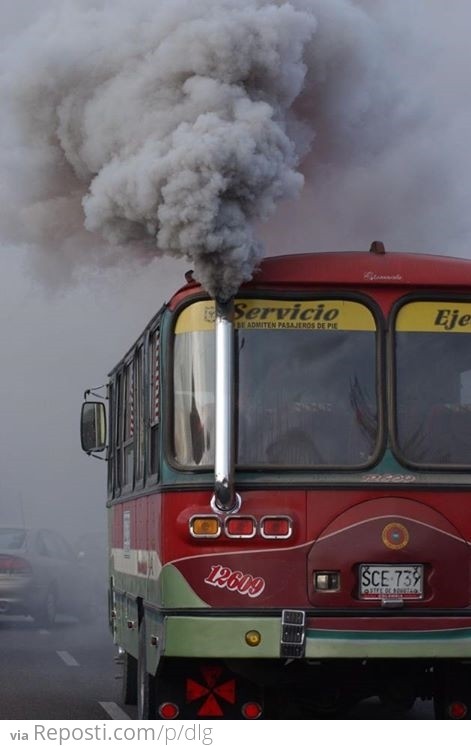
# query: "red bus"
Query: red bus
289,480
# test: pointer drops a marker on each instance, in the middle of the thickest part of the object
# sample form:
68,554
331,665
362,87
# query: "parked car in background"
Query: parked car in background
41,576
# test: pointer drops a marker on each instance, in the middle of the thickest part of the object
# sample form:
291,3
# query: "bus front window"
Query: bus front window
306,384
307,398
433,383
194,385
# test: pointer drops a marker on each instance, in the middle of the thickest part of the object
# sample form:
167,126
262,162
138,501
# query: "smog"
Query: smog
177,128
163,125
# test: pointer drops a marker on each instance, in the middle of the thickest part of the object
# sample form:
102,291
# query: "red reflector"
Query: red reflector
457,710
168,711
276,527
210,708
227,691
251,710
195,690
240,526
211,674
14,565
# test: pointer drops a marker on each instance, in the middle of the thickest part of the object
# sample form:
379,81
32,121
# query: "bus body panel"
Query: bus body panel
221,598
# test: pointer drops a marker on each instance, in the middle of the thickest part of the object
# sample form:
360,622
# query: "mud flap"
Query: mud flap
205,689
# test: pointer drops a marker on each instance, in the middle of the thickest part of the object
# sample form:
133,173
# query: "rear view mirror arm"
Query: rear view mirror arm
100,458
92,392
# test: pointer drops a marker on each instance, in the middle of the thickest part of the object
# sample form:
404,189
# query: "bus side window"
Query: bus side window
128,421
117,434
154,401
123,434
139,414
111,450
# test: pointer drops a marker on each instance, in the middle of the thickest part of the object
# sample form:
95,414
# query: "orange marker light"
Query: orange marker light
253,638
205,526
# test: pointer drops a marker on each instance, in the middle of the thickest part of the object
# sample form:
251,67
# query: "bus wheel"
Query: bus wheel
129,688
398,700
145,682
330,704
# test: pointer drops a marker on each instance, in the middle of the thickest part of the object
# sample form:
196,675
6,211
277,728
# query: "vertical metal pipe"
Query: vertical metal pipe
224,492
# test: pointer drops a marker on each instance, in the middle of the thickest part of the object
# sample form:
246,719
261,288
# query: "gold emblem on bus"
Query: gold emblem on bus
395,536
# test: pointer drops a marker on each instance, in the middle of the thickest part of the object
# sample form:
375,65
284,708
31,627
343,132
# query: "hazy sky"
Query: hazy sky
55,347
369,102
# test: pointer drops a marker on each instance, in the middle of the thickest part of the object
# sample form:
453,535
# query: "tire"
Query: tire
398,703
45,615
129,689
145,682
327,705
298,705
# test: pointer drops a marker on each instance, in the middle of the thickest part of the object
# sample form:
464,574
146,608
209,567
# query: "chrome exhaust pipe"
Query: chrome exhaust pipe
224,498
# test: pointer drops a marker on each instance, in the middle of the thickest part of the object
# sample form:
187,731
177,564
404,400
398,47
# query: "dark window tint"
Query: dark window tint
433,383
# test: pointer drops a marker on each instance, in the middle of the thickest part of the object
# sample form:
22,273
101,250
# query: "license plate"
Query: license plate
391,581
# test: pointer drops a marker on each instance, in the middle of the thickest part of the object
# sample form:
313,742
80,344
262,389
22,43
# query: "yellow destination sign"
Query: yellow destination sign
434,316
254,313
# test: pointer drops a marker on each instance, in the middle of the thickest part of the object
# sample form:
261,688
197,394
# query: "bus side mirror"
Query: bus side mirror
93,426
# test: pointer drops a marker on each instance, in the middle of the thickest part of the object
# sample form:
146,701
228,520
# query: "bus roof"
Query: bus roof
355,268
348,268
365,267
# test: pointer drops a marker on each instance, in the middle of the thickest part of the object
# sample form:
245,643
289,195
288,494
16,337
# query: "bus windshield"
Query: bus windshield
433,383
306,384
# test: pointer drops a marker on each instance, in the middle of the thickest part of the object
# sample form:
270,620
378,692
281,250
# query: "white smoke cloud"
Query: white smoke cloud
177,126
